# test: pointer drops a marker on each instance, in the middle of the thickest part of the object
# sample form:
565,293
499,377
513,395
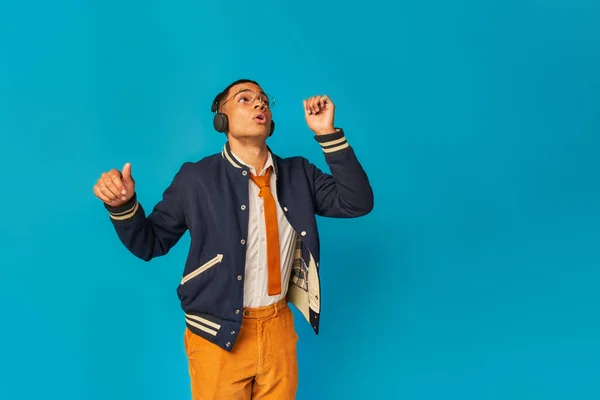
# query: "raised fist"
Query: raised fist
319,113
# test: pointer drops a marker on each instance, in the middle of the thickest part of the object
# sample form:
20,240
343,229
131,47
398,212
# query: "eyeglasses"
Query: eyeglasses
249,96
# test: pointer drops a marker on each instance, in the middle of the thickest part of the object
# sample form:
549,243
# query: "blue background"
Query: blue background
475,277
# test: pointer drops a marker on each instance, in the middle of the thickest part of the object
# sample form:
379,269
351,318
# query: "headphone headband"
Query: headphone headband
215,106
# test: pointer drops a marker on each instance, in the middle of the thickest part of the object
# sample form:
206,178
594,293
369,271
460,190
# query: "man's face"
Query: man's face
248,111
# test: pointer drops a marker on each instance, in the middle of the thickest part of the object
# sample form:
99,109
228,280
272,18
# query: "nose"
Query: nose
258,103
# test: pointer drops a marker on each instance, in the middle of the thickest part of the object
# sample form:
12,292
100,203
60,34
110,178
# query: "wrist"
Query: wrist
325,131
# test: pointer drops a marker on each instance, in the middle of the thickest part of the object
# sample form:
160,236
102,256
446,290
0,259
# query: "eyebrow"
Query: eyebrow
249,90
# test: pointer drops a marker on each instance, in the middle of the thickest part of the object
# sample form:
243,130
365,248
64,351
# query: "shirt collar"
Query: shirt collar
268,164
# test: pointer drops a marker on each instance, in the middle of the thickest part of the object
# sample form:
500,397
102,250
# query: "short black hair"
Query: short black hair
225,92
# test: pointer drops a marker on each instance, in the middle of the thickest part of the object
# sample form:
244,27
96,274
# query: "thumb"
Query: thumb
127,173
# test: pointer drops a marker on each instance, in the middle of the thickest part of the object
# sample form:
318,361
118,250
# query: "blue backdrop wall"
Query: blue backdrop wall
475,277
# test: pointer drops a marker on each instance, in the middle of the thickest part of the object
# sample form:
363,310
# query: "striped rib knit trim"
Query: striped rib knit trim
227,155
210,327
124,212
333,143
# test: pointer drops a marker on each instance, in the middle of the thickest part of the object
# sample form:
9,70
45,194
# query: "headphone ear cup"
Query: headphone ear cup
220,122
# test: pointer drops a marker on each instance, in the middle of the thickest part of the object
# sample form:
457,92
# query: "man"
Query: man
254,241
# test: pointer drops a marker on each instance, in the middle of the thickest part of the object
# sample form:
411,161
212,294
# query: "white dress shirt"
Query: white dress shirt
255,285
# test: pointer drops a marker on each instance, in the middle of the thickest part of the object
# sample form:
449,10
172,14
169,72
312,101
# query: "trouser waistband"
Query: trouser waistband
266,311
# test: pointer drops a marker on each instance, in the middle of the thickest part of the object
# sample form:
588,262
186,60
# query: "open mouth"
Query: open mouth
260,118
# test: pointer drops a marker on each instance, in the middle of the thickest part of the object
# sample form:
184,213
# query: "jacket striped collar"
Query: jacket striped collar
227,155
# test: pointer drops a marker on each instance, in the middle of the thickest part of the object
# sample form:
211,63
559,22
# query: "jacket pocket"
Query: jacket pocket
209,264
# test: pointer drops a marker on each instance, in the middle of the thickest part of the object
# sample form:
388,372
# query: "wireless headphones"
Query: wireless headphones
221,123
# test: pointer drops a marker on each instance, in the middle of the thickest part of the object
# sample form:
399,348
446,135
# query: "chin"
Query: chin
252,134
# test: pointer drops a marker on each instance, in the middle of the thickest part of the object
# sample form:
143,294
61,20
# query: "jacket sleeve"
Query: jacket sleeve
346,192
154,235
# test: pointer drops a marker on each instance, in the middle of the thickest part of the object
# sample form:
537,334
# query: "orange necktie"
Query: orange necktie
274,271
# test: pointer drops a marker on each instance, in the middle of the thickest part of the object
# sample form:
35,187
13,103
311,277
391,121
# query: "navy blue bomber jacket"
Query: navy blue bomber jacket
210,199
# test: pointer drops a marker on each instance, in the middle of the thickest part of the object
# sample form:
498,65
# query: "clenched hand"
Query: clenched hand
319,112
114,187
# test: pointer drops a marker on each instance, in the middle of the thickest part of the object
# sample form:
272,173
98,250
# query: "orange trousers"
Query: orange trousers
261,366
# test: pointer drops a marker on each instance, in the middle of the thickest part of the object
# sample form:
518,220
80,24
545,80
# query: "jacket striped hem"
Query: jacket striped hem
218,331
209,327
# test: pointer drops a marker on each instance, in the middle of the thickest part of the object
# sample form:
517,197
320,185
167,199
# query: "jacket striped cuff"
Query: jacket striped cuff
125,212
333,143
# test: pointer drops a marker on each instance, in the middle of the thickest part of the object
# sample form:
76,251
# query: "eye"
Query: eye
244,98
